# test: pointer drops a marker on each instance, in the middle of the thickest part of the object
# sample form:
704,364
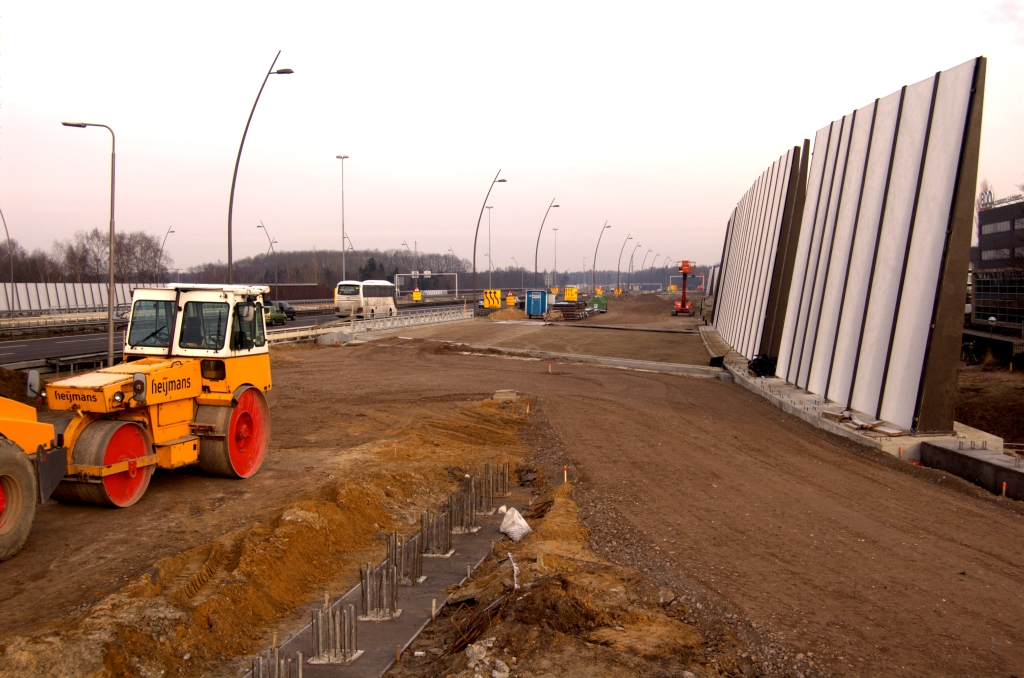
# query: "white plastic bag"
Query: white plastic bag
514,525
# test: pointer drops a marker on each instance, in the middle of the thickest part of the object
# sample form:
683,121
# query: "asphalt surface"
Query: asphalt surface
24,350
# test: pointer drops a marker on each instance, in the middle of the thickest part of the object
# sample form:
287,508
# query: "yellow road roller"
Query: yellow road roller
31,466
189,390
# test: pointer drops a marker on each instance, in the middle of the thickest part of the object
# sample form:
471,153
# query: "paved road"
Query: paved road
22,350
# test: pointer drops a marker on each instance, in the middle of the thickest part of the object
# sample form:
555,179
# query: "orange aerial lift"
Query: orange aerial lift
683,306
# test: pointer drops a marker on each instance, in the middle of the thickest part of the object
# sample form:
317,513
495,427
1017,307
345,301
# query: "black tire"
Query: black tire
18,483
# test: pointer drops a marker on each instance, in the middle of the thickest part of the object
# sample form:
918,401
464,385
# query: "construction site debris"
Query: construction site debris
514,526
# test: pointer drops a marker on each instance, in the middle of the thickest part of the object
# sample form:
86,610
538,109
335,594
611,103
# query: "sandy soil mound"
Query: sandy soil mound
508,313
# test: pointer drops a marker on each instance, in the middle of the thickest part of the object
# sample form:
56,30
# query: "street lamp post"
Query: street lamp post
537,248
490,283
629,272
593,279
496,180
10,253
238,158
342,158
110,257
522,274
618,267
160,257
270,240
642,270
554,275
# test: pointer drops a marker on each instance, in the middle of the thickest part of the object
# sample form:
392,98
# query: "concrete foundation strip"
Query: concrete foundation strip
328,645
621,363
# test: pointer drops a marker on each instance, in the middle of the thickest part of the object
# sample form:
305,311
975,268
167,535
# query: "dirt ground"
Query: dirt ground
647,310
788,551
644,313
992,400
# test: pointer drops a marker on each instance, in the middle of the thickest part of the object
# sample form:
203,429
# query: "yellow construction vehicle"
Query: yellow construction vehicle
190,390
31,466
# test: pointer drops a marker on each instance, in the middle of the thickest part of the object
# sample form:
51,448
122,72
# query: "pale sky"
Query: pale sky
653,116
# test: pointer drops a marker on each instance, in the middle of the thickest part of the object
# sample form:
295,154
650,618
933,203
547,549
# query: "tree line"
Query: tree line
84,258
137,258
324,267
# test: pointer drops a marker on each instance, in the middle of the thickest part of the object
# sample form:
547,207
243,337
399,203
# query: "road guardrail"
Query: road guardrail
349,328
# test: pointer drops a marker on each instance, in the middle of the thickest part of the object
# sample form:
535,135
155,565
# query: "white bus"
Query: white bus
366,299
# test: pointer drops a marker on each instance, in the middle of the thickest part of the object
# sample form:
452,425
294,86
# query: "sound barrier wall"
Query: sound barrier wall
749,286
873,314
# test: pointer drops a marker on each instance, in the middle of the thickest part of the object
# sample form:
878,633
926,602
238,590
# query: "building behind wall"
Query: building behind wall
997,283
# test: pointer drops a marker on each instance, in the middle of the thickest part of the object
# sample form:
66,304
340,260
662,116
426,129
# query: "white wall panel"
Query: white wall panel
824,250
862,258
746,263
927,242
755,224
751,331
892,246
810,255
835,285
749,257
774,224
785,365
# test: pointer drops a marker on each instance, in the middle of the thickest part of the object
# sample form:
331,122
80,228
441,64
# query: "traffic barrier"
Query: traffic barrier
350,328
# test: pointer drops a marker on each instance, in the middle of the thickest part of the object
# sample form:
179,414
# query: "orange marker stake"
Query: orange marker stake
1004,489
901,452
565,477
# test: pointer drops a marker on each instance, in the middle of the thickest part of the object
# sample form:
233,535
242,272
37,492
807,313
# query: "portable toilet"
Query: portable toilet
536,303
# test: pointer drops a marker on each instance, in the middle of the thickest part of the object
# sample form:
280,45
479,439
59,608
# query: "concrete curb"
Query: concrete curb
628,328
623,363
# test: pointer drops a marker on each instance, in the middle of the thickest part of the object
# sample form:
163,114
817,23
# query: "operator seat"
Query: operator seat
192,333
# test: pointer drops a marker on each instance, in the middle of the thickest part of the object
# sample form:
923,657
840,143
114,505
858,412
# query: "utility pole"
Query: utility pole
343,158
490,283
